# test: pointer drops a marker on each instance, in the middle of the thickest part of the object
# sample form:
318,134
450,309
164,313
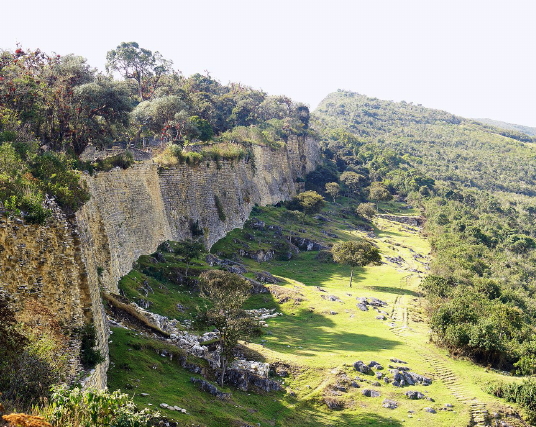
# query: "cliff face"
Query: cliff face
67,263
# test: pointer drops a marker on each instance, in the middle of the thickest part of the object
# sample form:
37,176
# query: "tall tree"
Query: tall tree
333,189
141,65
355,254
227,292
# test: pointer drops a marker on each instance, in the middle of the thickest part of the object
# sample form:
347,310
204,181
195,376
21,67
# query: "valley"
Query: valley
319,335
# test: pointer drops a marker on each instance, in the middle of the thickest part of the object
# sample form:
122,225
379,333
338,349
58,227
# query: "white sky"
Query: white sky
470,57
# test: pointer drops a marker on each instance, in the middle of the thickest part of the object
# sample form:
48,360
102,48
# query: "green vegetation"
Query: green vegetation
523,393
308,202
52,107
355,254
436,143
227,293
27,176
99,408
481,289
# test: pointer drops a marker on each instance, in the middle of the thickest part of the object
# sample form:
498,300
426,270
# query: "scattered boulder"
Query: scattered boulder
255,224
209,388
375,302
257,287
260,256
430,410
414,395
245,380
361,367
362,306
306,244
375,365
394,360
371,393
235,268
390,404
330,297
266,277
212,260
334,403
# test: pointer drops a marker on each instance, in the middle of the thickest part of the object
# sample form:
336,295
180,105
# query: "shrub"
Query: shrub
523,394
89,356
309,202
97,408
219,208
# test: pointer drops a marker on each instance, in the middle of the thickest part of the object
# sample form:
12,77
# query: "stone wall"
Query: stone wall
132,211
68,262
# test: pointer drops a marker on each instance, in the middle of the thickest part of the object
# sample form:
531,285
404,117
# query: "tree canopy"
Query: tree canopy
355,254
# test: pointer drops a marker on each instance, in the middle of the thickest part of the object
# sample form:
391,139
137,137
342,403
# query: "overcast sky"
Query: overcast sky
473,58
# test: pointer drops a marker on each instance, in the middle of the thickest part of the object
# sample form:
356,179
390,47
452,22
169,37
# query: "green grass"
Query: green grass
317,345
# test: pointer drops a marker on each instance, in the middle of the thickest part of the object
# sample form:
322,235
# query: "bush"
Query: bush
309,202
88,355
97,408
523,394
219,208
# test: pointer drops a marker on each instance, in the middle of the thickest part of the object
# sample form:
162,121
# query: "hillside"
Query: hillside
511,126
444,146
398,289
317,331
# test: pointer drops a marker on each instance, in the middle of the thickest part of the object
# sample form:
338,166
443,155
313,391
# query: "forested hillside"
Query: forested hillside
471,182
519,128
446,147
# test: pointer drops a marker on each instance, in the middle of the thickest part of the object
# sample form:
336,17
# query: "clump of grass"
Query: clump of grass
173,155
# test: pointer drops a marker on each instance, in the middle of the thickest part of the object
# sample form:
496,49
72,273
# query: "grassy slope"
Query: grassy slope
319,346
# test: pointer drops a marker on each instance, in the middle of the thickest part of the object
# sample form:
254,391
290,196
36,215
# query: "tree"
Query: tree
189,250
333,189
309,202
378,192
227,292
366,210
352,182
99,109
355,254
141,65
166,116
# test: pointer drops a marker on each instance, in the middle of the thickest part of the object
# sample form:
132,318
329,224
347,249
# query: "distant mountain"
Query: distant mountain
520,128
439,144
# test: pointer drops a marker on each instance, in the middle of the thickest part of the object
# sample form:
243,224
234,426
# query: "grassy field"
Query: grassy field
318,337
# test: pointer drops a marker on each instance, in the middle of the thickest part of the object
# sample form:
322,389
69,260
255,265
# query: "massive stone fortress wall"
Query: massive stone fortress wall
67,263
132,211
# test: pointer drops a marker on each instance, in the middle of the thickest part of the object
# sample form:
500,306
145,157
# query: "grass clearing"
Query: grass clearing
320,334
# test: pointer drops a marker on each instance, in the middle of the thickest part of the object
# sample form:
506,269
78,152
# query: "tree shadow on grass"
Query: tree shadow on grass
367,419
308,333
393,290
317,417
